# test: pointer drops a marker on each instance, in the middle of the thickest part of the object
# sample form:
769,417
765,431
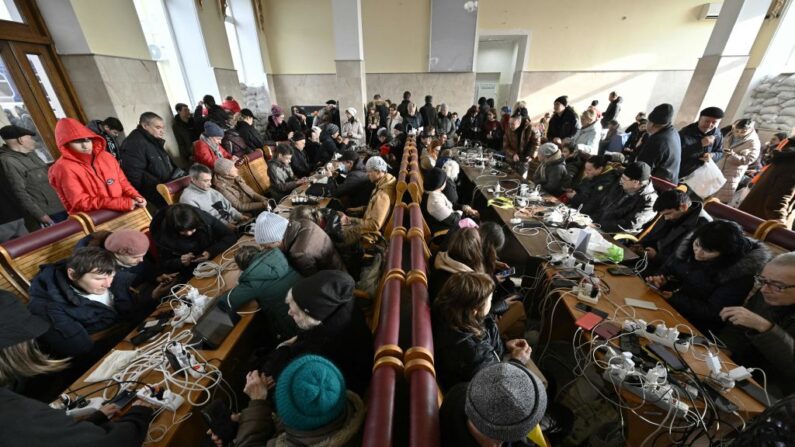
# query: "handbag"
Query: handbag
706,180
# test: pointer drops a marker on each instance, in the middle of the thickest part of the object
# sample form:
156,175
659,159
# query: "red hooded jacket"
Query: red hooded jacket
231,106
204,155
88,182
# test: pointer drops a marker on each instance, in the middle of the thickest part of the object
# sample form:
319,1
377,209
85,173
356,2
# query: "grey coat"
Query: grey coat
283,182
738,154
27,177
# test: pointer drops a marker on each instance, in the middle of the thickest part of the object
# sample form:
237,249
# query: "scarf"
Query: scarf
212,145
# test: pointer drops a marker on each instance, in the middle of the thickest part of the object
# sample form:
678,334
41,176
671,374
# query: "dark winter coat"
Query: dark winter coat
72,317
702,289
773,196
429,115
413,121
343,338
146,164
27,179
665,236
250,135
574,167
111,145
26,422
300,163
283,181
612,111
212,236
621,212
215,113
328,148
662,151
356,188
690,137
554,176
403,107
772,351
460,355
468,128
186,134
310,249
267,279
591,191
278,131
564,125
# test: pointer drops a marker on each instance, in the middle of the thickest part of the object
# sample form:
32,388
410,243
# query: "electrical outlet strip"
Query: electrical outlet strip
169,401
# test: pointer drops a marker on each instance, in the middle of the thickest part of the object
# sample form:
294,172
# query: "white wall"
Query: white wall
498,56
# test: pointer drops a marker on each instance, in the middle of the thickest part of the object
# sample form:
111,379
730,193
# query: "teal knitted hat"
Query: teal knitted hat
310,393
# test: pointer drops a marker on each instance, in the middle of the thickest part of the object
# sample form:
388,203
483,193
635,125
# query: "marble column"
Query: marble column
725,57
349,50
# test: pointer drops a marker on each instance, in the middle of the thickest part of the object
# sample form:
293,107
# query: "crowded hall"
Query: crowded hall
247,223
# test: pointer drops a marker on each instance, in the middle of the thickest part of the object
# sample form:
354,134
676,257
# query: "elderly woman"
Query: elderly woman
207,149
352,129
21,359
277,127
740,149
551,174
228,182
587,137
439,211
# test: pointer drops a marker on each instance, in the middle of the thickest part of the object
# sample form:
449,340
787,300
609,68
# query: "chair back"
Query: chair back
172,190
8,284
253,169
23,256
108,220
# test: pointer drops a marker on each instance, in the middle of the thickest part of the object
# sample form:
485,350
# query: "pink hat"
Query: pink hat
127,242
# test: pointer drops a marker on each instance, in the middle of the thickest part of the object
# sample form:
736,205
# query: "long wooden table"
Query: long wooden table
621,287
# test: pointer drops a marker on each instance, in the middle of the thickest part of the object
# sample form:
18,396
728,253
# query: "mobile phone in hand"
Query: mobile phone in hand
218,418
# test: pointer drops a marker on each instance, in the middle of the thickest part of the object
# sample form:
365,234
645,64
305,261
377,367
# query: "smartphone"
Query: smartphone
621,270
506,273
588,308
123,398
218,418
662,353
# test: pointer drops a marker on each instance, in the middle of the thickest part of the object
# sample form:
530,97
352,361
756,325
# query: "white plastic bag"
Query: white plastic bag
705,180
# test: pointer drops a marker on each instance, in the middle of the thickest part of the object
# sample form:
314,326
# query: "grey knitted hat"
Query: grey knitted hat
505,401
376,164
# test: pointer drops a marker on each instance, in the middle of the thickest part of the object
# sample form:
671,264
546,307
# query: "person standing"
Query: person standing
145,160
613,109
26,175
185,130
110,128
564,123
662,151
740,149
428,112
701,141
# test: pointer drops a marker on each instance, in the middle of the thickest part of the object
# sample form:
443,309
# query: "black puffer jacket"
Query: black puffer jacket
356,188
665,236
459,355
563,126
663,152
620,212
146,164
702,289
590,192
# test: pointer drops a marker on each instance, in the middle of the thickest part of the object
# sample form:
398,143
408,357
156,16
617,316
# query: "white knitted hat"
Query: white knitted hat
269,228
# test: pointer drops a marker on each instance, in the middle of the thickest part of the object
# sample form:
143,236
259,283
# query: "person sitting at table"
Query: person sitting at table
306,245
587,137
75,296
575,163
266,277
492,239
439,212
598,177
501,405
551,174
355,188
300,163
208,147
374,216
186,236
677,217
230,184
203,196
283,181
629,203
87,177
330,143
277,126
430,155
312,405
465,335
464,253
331,325
712,269
761,332
135,287
20,360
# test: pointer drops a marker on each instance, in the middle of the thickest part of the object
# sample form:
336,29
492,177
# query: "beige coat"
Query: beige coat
734,163
382,199
239,194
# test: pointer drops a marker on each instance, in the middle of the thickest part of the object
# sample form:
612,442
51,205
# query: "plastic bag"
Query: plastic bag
706,180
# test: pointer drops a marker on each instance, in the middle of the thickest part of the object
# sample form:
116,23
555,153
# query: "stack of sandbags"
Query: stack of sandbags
772,103
258,100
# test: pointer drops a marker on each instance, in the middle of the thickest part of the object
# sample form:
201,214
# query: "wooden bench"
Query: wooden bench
172,190
108,220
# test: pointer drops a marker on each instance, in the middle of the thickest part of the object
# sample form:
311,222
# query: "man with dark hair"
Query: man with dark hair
144,158
208,110
403,107
185,131
629,204
564,122
701,141
677,217
110,129
74,296
355,188
203,196
245,128
283,181
613,109
428,112
662,151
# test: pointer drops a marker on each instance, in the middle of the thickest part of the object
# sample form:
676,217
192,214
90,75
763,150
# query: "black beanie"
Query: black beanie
638,171
712,112
662,114
434,179
563,100
322,293
298,136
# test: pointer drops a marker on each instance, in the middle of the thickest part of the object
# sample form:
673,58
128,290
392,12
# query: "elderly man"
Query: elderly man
662,151
26,175
761,333
630,202
144,158
203,196
701,141
382,199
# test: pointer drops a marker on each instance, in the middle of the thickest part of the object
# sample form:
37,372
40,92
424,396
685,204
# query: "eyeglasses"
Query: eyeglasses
774,286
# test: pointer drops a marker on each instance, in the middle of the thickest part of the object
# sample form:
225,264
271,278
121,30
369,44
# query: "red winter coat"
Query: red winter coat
204,155
88,182
231,106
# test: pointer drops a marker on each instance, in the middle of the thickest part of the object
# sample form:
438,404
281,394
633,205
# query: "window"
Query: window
9,11
234,43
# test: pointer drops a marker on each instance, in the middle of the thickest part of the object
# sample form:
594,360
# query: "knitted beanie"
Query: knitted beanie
224,166
321,294
127,242
434,179
310,393
269,228
505,401
351,111
213,130
375,164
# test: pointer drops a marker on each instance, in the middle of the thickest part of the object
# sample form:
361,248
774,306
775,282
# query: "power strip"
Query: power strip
659,333
168,400
86,407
